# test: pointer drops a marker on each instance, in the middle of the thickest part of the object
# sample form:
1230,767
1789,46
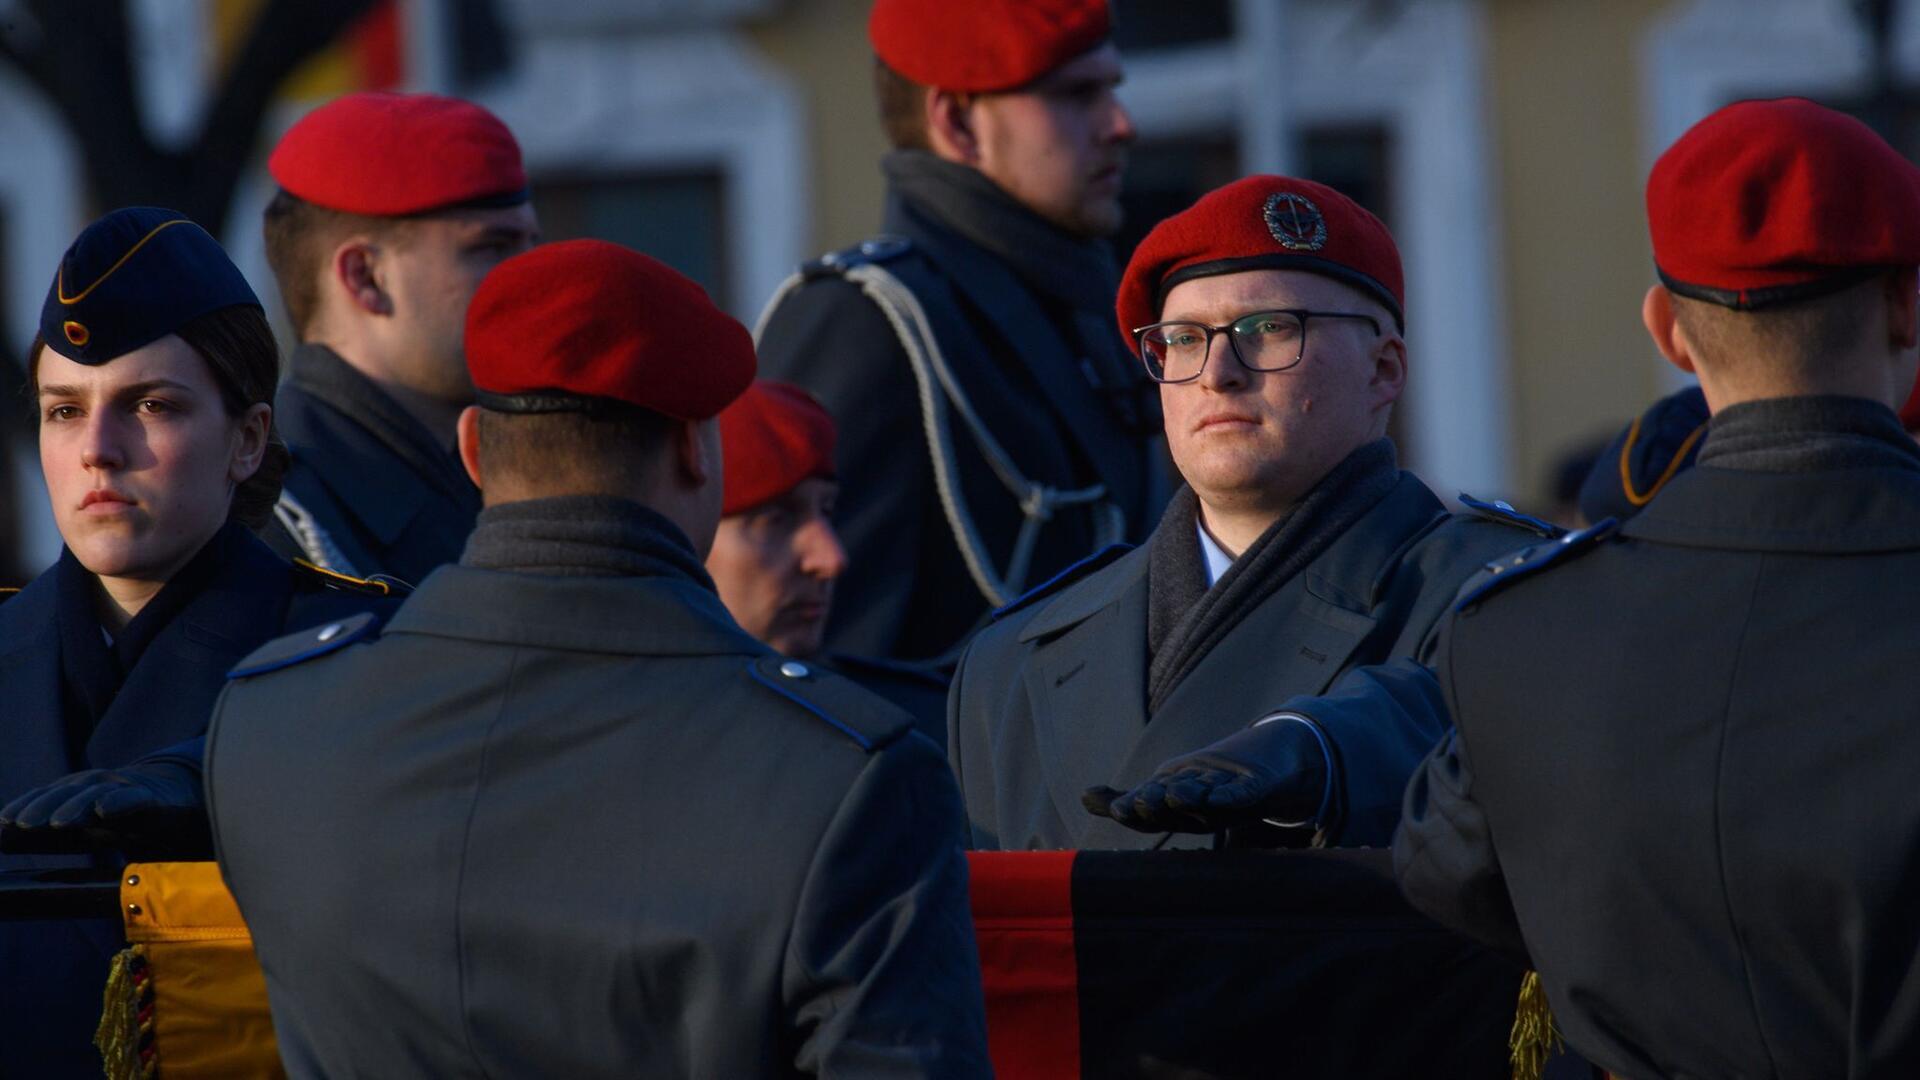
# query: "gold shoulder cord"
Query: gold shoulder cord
1626,472
348,580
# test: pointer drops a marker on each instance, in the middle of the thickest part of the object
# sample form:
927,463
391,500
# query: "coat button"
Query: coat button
330,631
133,880
794,669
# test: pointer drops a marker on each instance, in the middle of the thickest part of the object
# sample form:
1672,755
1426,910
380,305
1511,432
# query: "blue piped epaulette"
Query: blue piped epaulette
839,703
1064,578
314,641
879,249
1508,569
1505,514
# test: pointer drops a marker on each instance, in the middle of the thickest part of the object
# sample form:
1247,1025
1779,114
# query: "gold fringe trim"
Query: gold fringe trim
125,1034
1535,1036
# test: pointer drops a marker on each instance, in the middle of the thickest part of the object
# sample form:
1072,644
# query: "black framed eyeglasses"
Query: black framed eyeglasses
1176,352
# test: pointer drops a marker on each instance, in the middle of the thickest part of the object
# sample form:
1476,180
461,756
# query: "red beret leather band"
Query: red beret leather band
1324,267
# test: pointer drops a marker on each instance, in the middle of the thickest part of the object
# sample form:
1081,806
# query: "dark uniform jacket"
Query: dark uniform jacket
565,818
1024,315
234,595
387,496
1684,773
1052,698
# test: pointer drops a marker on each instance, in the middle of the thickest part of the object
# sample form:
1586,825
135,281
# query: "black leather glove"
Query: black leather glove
1276,770
150,809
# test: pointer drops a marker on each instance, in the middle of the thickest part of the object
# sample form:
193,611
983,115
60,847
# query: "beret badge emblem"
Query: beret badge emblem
1295,221
77,333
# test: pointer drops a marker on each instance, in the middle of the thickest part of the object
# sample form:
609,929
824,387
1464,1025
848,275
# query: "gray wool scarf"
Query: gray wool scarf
582,536
1186,619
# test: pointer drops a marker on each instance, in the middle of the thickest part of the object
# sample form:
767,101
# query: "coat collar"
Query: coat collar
636,616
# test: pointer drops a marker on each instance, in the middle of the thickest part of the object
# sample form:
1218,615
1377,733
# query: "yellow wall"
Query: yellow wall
822,44
1567,111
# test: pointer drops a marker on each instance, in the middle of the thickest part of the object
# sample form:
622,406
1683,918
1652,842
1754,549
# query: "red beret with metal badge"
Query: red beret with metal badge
981,46
581,324
1263,223
772,437
1769,202
387,155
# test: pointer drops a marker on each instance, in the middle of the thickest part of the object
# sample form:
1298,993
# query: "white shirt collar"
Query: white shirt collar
1216,557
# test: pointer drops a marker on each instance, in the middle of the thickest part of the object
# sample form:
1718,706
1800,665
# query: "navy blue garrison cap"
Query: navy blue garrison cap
132,278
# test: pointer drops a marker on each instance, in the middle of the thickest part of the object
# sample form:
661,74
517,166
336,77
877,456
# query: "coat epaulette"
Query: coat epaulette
320,577
314,641
1505,514
1096,561
879,249
841,704
1508,569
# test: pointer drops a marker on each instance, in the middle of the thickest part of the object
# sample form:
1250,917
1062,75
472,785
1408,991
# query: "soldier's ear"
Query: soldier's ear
1656,311
467,436
696,451
355,270
1389,368
950,128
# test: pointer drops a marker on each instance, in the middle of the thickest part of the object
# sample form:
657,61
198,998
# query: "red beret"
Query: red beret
384,155
772,437
1263,223
978,46
567,325
1766,202
1910,412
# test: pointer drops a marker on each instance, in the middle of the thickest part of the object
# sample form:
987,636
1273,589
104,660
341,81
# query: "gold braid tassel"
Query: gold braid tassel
125,1034
1535,1037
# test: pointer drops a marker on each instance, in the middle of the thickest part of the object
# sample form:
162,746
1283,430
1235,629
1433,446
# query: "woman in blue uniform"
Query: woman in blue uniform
152,378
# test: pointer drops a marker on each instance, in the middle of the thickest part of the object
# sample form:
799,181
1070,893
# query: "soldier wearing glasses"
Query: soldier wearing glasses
1271,315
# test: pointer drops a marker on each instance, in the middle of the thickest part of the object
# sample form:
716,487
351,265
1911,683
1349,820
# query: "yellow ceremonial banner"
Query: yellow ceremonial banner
186,1000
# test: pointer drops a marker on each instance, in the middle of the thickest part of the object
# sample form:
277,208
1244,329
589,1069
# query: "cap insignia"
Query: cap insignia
1295,222
76,333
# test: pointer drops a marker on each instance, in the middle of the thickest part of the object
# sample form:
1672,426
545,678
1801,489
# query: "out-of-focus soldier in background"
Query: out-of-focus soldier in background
993,431
153,378
564,817
1682,778
391,209
1271,312
776,556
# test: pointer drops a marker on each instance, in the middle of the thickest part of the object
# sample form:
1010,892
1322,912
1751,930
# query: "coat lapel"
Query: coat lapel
1086,687
33,730
1295,643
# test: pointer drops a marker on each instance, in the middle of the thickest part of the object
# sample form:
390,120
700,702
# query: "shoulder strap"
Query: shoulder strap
1504,513
1507,569
836,702
298,648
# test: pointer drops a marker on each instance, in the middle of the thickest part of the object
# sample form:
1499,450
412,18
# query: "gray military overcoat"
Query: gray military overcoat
573,826
1052,699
